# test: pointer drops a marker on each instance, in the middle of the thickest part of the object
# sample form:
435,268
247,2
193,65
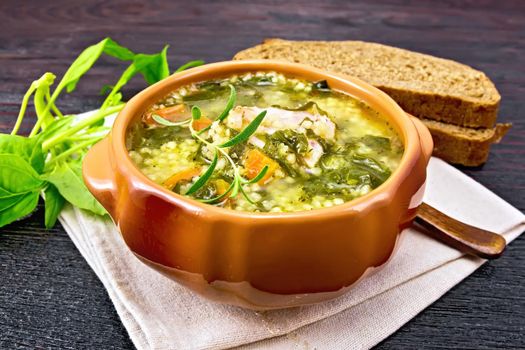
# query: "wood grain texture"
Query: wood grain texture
465,238
49,297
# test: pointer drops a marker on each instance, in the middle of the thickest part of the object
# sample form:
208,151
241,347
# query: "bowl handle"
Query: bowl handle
425,138
98,175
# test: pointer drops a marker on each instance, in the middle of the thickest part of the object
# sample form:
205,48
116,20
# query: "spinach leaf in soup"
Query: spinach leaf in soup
377,171
272,149
296,141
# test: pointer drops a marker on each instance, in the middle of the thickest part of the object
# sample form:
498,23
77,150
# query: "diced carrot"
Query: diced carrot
221,186
255,162
176,113
201,123
186,174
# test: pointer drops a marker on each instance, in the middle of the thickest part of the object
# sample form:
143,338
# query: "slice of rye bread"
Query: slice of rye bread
465,146
455,144
423,85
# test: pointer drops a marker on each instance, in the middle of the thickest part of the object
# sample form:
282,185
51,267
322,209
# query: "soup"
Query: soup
264,142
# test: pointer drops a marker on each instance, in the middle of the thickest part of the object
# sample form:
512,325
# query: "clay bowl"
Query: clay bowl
254,260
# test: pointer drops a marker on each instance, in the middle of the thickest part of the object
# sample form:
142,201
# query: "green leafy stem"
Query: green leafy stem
49,160
238,183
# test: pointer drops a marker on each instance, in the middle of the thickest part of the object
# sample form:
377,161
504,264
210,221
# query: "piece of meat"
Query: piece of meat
281,119
315,152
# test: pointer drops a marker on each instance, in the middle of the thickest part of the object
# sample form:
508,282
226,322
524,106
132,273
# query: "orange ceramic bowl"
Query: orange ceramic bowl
259,260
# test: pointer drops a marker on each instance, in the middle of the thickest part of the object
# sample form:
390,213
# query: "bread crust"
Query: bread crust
464,146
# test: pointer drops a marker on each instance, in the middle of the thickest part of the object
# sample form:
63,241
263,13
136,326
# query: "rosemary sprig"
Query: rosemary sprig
229,104
239,181
259,176
218,198
201,181
166,122
246,132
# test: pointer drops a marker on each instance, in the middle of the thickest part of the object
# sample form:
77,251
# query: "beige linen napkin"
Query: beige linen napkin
160,314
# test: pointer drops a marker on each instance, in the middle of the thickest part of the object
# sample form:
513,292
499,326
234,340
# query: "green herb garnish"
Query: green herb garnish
246,132
229,104
259,176
165,122
49,160
238,181
201,181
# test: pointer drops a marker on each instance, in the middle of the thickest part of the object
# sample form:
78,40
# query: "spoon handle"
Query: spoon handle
466,238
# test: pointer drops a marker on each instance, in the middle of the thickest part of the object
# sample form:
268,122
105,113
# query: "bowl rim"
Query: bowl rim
349,85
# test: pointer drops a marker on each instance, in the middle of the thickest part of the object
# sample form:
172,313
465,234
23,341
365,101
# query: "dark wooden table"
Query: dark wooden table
49,297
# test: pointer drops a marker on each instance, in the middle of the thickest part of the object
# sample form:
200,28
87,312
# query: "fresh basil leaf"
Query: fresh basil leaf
30,149
112,48
67,177
154,67
81,65
9,199
54,202
246,132
23,207
229,104
189,65
17,176
204,177
23,159
88,57
19,188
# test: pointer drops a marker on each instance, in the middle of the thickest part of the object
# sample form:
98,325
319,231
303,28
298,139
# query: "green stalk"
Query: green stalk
41,106
83,137
72,150
54,108
50,103
56,139
23,107
128,73
236,174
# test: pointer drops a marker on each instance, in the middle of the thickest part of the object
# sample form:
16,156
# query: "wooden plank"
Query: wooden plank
50,298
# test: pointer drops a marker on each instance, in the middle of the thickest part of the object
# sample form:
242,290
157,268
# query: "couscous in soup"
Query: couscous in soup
264,142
